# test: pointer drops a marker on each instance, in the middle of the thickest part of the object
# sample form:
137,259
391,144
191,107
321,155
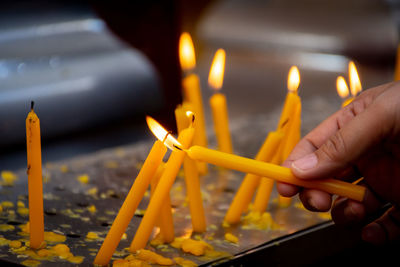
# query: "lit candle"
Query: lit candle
343,91
276,172
292,103
165,222
134,196
218,103
355,83
192,180
292,99
35,183
192,92
250,182
162,190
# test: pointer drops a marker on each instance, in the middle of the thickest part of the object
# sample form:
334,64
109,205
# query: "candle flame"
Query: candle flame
355,84
162,134
186,52
293,79
216,76
341,87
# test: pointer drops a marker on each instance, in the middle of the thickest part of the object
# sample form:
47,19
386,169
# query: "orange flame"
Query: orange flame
355,84
293,79
186,52
216,76
161,133
341,87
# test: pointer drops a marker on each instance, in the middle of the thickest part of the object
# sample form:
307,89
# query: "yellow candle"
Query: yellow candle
165,222
275,172
131,203
292,99
251,181
164,186
292,138
263,195
192,92
194,195
181,118
35,183
192,178
218,103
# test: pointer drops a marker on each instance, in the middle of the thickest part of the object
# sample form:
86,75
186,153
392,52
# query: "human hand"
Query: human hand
360,140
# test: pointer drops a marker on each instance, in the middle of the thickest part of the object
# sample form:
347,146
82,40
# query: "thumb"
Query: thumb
354,130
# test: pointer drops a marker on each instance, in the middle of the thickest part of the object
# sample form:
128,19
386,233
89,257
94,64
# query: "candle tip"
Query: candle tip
32,104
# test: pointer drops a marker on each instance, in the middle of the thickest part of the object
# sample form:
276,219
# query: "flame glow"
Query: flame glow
341,87
186,52
293,79
161,133
355,83
216,76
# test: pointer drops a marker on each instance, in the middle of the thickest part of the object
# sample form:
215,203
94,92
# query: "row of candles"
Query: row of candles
190,150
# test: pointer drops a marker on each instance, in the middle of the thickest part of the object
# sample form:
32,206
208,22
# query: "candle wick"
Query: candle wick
177,147
32,104
165,138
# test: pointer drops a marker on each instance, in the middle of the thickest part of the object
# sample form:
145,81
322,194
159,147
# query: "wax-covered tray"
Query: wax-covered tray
83,195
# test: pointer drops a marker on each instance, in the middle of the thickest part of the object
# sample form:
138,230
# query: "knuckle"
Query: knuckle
334,148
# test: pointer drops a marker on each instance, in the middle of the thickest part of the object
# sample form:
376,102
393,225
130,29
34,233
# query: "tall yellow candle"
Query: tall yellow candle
292,99
250,182
165,222
291,140
35,183
162,190
132,200
264,191
218,103
275,172
192,92
192,177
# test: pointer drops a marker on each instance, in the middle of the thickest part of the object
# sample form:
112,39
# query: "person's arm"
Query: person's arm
360,140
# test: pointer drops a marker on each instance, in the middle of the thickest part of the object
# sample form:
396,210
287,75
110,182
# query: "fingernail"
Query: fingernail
306,163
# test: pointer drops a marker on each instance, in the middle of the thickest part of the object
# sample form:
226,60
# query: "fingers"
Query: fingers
384,229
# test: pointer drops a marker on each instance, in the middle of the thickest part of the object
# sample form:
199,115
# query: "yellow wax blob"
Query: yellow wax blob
23,211
53,237
8,178
153,258
195,247
92,235
6,227
84,178
7,204
184,263
43,253
231,238
92,209
31,263
76,259
15,244
260,221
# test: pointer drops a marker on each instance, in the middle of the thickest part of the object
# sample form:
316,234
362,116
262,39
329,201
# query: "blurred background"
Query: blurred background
96,68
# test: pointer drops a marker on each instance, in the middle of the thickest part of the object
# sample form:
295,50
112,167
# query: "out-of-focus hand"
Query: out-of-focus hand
360,140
